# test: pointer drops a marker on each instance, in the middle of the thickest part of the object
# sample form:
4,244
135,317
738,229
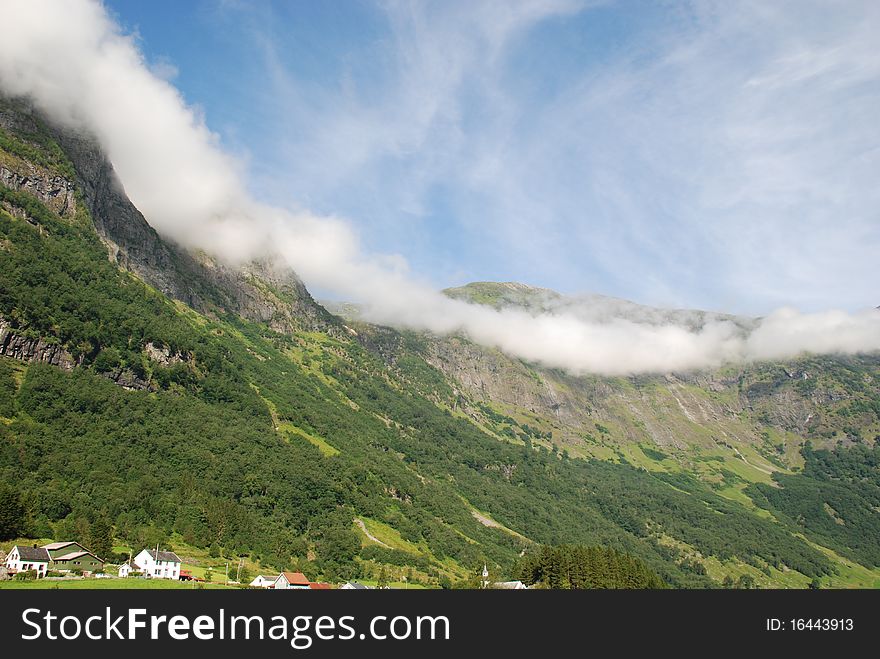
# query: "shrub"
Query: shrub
26,575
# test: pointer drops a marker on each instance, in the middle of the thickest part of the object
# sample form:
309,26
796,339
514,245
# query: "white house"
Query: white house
263,581
353,585
127,568
22,559
157,564
510,585
291,581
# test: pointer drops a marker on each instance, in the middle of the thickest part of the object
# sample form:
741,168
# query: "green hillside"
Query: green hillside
250,436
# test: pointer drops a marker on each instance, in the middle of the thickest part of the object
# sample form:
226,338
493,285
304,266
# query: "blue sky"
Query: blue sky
721,155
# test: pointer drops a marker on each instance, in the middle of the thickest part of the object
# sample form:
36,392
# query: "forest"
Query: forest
576,567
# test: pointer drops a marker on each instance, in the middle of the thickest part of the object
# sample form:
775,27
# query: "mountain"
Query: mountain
187,402
593,307
759,415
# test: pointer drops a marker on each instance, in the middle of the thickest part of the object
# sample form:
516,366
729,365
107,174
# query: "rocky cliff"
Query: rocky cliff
263,291
32,349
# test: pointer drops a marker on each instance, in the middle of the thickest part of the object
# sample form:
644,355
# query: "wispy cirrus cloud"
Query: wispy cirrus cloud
720,154
661,168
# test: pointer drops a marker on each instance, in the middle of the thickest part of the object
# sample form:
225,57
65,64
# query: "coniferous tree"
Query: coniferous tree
101,538
578,567
12,513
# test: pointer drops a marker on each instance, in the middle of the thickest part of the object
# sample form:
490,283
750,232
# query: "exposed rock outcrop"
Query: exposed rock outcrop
163,355
53,190
30,349
127,379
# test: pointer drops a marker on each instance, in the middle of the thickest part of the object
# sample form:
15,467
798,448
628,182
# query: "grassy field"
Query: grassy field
400,585
198,561
322,444
107,584
387,535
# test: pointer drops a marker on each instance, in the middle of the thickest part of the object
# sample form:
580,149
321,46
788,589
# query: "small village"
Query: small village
70,560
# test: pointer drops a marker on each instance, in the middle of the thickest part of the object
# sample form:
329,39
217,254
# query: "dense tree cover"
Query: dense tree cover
61,286
90,448
12,513
7,390
576,567
747,582
100,537
835,500
201,455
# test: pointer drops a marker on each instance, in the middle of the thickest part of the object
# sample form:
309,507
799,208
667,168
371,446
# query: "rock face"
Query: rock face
127,379
53,190
132,243
762,405
263,292
163,355
32,349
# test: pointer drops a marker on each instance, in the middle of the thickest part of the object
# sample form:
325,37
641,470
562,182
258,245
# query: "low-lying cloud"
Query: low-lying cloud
76,65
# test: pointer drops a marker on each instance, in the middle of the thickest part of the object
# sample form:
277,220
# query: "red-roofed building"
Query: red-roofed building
319,586
292,581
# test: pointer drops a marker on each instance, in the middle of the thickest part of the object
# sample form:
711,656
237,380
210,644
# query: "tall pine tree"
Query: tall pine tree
101,538
12,513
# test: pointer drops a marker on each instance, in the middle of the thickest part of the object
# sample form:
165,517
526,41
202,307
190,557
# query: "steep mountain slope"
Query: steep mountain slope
754,413
181,399
84,181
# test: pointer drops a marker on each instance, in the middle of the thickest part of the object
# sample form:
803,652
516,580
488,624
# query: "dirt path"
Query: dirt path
363,527
492,524
485,521
743,458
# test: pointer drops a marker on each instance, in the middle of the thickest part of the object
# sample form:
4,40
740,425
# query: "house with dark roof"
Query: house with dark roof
353,585
157,564
291,581
24,559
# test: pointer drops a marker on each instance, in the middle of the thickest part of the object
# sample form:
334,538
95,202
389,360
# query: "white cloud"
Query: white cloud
71,59
724,157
